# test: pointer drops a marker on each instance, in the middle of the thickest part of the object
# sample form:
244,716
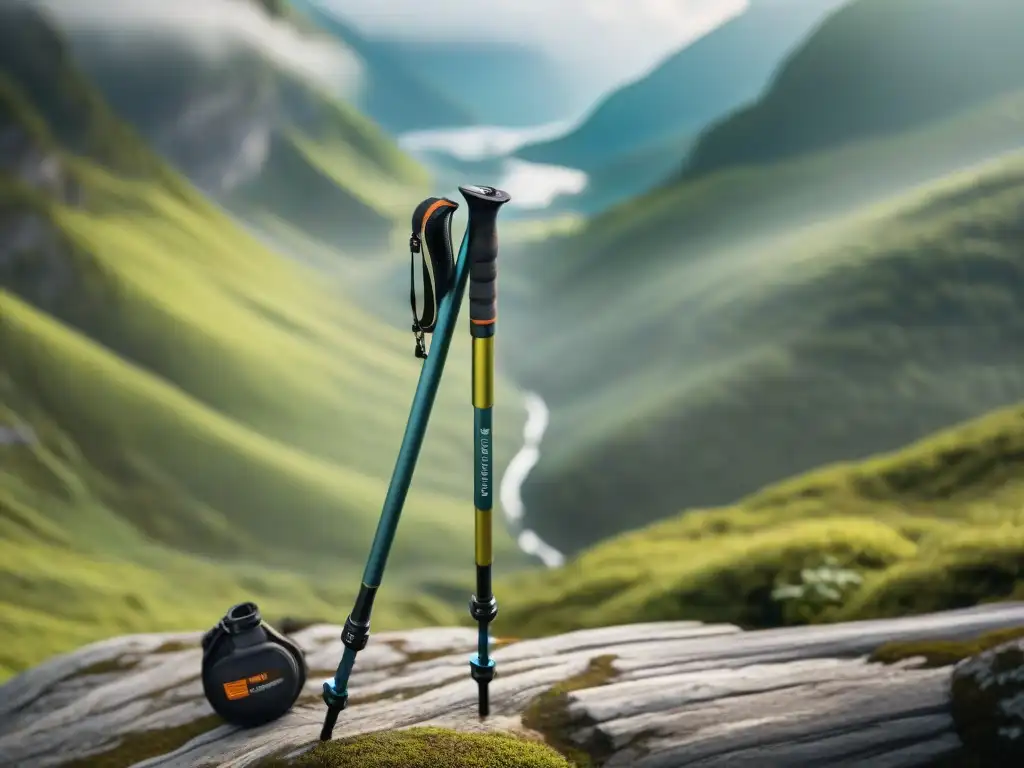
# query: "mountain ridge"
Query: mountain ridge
904,78
704,70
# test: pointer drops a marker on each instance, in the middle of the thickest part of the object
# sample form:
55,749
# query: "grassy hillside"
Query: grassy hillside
336,177
694,382
739,207
874,67
209,422
680,96
934,526
269,145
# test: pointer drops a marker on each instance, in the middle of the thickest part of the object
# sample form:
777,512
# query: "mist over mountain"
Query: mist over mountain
718,72
873,68
399,99
501,83
254,106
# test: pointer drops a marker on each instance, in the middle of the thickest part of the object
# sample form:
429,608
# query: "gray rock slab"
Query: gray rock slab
684,694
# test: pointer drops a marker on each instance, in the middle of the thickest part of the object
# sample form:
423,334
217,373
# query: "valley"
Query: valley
766,321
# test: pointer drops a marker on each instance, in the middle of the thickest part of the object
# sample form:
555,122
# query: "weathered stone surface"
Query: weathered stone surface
988,703
684,694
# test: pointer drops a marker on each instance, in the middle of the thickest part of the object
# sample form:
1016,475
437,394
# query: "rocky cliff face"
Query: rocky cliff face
32,257
213,120
652,696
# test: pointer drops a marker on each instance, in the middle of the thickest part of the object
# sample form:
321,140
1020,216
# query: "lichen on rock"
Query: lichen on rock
988,703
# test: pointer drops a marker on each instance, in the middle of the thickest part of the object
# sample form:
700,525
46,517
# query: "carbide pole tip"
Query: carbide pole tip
330,720
485,703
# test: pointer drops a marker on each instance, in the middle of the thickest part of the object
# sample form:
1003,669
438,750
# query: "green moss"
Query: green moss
548,714
944,653
669,573
964,568
136,747
427,748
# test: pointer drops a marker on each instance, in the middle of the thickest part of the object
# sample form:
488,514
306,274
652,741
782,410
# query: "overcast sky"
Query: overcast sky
212,28
601,42
615,39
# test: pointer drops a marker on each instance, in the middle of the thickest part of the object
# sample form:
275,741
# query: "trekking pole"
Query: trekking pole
483,203
432,220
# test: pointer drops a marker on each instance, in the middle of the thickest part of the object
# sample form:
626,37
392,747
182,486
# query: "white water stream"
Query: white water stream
510,490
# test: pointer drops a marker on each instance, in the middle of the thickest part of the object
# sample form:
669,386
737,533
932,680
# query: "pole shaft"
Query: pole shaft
357,625
483,606
416,427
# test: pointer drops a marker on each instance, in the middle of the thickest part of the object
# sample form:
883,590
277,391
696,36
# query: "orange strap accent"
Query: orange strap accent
484,322
431,209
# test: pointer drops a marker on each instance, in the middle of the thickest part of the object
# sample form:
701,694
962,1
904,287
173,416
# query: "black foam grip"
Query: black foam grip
483,204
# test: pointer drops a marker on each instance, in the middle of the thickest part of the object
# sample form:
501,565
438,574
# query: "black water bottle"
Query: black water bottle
252,674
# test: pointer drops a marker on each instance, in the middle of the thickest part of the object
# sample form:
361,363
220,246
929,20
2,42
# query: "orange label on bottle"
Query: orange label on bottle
236,689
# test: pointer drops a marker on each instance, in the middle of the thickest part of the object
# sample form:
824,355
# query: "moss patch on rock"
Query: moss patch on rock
944,653
427,748
136,747
548,714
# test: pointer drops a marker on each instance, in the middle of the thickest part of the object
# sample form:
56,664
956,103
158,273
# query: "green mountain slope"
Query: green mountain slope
875,67
693,382
735,207
268,145
206,422
934,526
720,71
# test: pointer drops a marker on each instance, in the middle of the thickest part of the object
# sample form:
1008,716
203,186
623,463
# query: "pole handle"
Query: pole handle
483,204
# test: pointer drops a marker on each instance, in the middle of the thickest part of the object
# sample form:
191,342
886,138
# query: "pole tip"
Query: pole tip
485,702
330,720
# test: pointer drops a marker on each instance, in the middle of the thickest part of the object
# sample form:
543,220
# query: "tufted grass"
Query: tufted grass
937,525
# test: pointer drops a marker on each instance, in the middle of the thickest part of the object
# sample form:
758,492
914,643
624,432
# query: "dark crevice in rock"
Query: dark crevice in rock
116,664
175,646
290,625
411,657
987,694
135,747
548,714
